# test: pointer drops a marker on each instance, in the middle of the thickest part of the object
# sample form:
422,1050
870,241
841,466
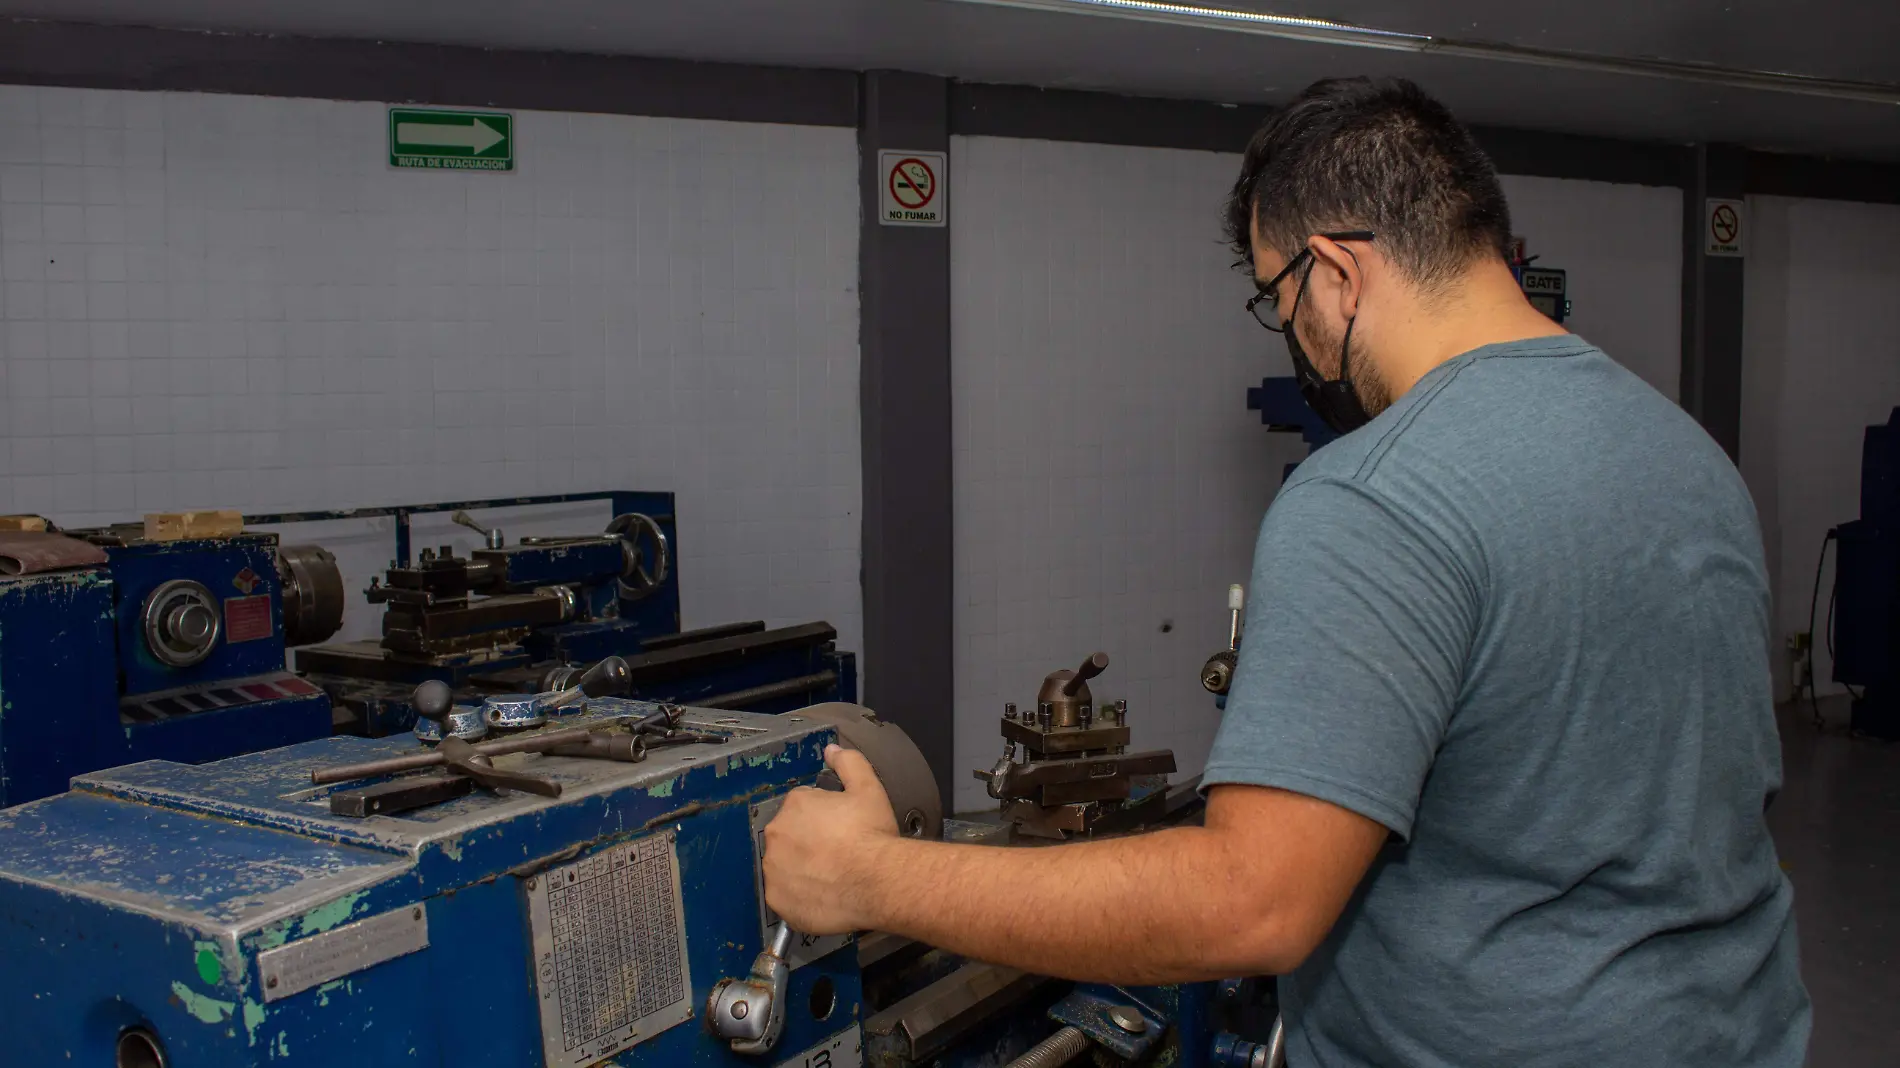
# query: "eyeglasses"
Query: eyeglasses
1265,305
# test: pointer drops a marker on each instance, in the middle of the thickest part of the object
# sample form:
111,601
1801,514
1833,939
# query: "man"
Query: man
1490,786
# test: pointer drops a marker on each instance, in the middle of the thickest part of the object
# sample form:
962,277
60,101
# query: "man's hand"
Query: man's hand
822,850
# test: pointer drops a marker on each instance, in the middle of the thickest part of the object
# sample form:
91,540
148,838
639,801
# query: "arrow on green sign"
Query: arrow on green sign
459,140
477,136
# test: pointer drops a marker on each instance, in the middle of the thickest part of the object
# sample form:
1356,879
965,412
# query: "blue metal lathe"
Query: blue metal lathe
125,649
116,648
222,915
513,617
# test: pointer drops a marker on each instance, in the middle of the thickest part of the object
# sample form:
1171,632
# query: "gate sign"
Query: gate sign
911,189
455,140
1722,227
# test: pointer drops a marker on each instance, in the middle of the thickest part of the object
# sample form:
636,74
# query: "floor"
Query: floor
1837,825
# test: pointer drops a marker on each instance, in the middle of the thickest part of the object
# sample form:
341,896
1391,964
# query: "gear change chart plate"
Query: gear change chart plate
610,950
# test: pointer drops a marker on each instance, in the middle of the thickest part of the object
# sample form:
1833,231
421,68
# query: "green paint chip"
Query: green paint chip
210,969
665,789
204,1009
253,1018
324,917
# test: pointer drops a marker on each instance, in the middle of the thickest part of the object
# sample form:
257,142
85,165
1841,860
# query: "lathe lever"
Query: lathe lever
490,535
608,678
750,1013
1093,666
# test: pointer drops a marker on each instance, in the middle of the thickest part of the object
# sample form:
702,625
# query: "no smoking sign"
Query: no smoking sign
911,188
1722,227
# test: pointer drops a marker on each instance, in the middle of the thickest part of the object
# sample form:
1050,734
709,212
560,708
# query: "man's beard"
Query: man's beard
1373,393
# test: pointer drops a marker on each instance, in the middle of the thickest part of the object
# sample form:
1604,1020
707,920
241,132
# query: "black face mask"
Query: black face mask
1335,402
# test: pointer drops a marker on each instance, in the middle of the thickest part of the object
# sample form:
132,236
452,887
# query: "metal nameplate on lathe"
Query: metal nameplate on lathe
842,1050
609,936
805,948
308,962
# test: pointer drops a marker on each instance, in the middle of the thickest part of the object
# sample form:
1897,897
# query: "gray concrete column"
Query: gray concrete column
1712,299
904,345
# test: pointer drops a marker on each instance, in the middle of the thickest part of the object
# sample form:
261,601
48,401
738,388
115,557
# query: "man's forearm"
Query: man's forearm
1165,907
1251,892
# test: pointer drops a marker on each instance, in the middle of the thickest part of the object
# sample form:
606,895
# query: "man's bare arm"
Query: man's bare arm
1252,892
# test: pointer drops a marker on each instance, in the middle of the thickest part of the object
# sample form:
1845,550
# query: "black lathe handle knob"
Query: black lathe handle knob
1093,666
432,700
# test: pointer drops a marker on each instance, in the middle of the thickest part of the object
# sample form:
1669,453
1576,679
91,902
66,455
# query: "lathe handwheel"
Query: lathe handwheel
182,623
637,580
899,764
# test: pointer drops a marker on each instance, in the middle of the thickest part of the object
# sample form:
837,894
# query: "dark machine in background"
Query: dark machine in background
517,618
116,648
1864,617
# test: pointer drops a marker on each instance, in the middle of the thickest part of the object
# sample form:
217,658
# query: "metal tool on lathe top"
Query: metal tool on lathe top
1076,775
470,764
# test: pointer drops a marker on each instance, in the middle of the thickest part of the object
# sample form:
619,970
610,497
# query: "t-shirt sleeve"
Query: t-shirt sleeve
1359,623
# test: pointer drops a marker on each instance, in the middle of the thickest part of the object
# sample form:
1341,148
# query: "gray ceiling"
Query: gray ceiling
1832,38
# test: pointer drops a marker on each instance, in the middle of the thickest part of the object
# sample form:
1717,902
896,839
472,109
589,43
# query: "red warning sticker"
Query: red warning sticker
247,619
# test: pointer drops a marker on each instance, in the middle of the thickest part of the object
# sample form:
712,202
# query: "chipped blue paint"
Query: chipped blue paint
664,789
324,991
768,759
280,1049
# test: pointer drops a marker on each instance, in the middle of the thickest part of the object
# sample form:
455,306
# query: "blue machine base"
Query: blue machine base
154,897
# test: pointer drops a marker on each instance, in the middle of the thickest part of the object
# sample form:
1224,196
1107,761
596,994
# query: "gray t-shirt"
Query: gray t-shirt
1521,619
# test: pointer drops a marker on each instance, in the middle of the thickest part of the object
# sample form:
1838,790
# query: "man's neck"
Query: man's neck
1485,307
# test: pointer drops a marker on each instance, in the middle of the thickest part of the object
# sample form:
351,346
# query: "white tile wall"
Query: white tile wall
1818,366
1622,248
1109,478
230,301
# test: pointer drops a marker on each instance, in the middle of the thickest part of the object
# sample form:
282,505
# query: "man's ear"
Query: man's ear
1337,275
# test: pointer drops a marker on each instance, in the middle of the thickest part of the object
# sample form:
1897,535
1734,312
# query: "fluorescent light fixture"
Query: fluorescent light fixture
1326,31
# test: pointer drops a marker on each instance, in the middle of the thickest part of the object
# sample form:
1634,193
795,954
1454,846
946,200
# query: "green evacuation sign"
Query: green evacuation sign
457,140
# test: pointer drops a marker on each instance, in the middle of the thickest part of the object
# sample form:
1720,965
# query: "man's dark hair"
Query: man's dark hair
1359,154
